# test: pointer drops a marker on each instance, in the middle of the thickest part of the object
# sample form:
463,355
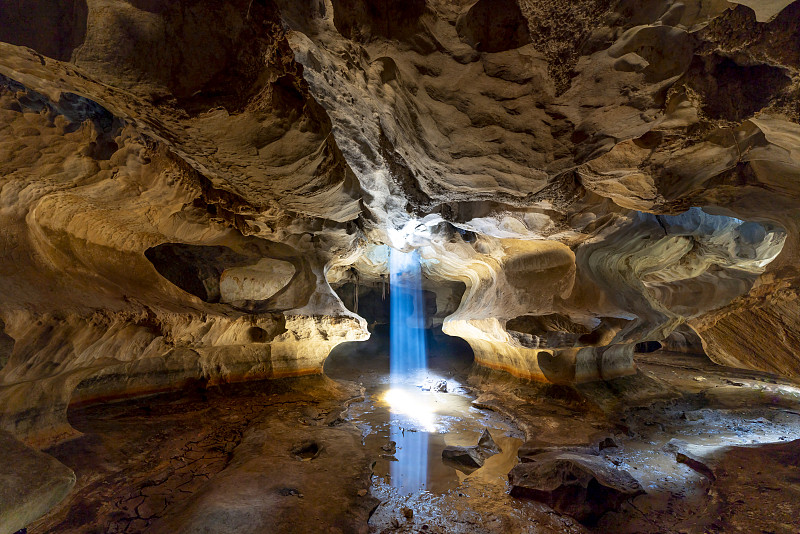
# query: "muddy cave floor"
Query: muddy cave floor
313,454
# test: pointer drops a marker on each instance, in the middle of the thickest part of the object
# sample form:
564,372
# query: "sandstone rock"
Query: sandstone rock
531,449
471,457
189,205
189,215
579,485
31,483
608,443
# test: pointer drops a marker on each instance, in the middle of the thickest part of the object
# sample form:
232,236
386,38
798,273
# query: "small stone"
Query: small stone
696,466
395,522
608,443
696,415
407,512
390,447
362,492
440,386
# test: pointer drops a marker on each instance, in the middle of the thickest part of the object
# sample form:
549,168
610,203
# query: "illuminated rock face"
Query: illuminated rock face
181,203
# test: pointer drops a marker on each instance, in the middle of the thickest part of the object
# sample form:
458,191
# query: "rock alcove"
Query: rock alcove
198,205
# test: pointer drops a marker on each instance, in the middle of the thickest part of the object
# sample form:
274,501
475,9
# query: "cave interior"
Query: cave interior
375,266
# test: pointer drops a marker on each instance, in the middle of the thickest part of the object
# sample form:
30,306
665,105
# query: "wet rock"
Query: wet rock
390,447
336,418
533,448
463,456
684,454
471,457
437,385
408,513
696,465
695,415
582,486
608,443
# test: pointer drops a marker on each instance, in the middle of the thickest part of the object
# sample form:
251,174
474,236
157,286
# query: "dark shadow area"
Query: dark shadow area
194,268
732,91
307,450
446,354
546,331
648,346
494,26
54,28
684,339
6,345
372,302
209,272
75,108
362,20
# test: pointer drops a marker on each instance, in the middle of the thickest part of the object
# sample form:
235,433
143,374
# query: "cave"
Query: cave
376,266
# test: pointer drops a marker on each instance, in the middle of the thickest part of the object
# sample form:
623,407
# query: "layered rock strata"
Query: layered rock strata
181,185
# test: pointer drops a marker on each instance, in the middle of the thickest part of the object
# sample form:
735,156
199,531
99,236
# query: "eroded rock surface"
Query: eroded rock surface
469,458
189,190
579,485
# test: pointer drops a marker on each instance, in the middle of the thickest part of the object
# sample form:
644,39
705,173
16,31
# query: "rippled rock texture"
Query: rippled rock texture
185,186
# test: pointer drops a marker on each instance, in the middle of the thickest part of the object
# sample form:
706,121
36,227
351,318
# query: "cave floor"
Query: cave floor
314,454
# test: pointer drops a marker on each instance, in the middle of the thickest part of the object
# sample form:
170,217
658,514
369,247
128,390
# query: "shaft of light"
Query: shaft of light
408,358
407,317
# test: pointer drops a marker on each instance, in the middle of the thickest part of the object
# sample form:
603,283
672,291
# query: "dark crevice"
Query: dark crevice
494,26
648,346
54,28
363,20
6,345
731,91
194,268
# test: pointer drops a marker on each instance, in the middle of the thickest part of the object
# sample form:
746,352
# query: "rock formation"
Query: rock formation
185,186
581,485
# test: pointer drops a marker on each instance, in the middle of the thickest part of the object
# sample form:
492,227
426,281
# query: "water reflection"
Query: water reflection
409,474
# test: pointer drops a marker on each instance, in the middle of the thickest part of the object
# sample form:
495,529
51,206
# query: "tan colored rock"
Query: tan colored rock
579,177
31,483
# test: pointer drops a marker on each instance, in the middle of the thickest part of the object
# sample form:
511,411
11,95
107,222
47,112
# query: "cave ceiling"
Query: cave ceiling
184,185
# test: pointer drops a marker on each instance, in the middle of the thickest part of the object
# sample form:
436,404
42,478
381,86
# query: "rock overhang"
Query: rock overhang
593,188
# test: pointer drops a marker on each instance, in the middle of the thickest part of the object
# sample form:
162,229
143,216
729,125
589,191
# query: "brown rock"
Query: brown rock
579,485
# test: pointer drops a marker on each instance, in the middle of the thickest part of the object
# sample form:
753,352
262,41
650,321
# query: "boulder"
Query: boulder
471,457
531,449
580,485
31,483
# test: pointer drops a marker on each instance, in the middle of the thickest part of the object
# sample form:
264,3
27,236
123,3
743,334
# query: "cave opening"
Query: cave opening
416,401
